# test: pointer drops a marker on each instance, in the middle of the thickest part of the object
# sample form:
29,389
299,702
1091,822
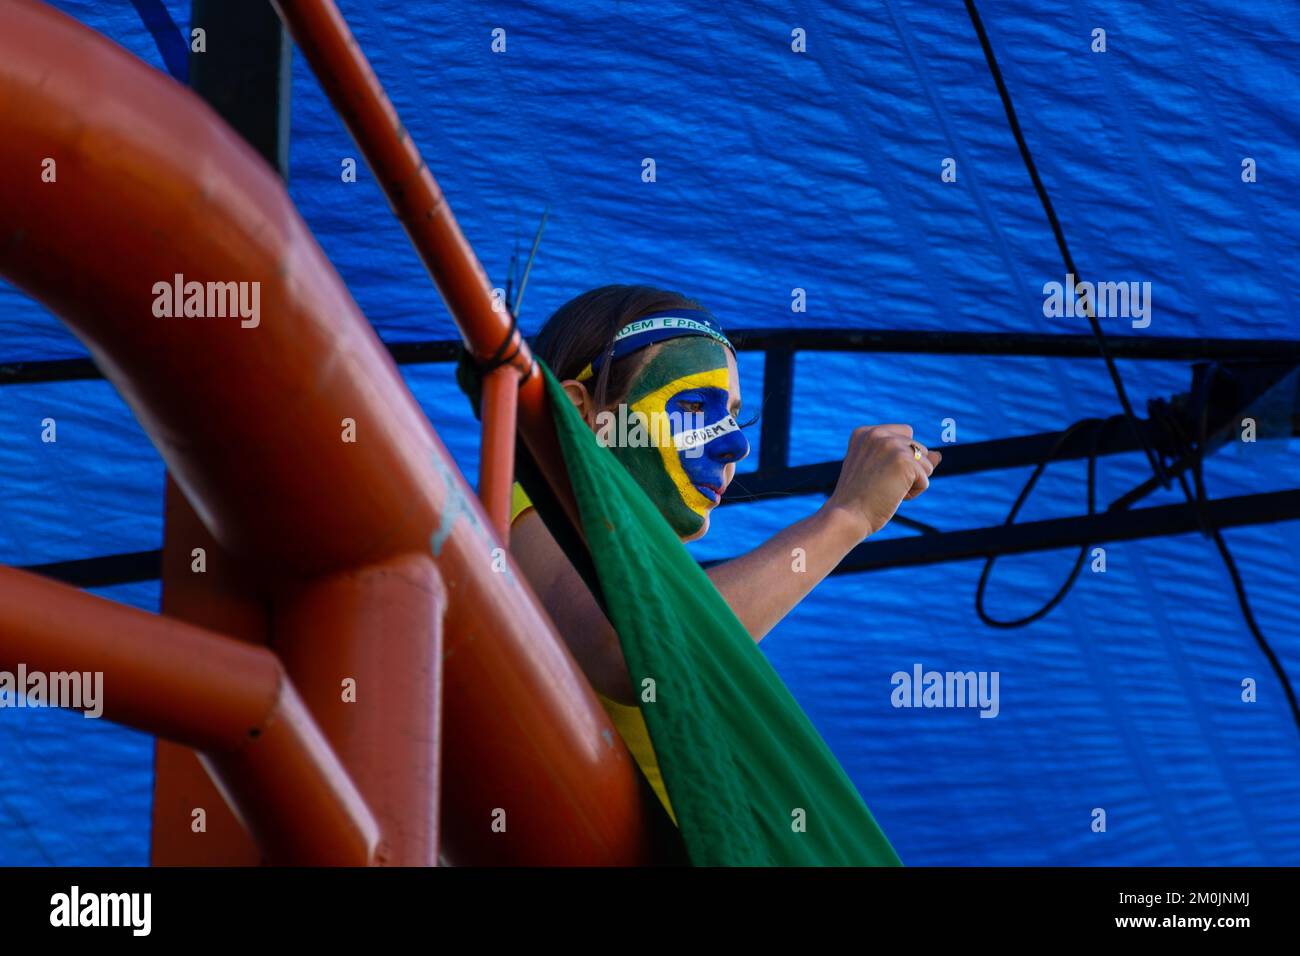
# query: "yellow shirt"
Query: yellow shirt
627,720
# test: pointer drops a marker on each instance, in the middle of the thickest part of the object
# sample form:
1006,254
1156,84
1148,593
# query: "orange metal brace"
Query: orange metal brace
350,83
497,452
352,545
226,698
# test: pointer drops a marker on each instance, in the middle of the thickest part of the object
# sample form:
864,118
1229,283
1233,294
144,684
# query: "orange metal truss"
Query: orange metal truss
329,562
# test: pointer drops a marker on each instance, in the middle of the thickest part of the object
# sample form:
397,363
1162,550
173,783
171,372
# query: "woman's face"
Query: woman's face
687,394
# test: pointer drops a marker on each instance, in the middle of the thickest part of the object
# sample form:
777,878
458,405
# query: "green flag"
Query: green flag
751,781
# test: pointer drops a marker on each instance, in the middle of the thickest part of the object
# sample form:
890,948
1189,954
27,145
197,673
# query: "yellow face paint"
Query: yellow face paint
680,400
654,407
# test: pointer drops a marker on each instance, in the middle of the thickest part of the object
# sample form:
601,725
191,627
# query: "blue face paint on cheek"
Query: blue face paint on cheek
689,381
708,439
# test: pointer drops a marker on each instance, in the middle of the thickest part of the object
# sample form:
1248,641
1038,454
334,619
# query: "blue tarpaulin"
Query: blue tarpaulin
821,171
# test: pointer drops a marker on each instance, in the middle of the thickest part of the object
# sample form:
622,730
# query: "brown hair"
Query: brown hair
584,328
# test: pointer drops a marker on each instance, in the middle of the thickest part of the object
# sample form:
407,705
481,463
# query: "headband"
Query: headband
657,327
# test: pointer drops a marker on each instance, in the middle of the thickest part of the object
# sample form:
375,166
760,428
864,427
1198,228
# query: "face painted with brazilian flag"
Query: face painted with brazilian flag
686,396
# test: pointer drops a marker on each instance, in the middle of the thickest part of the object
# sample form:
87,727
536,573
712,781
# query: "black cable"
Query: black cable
1195,453
1255,632
528,266
501,357
1098,427
915,525
1156,465
510,274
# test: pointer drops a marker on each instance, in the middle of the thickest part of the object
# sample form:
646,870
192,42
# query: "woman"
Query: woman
628,353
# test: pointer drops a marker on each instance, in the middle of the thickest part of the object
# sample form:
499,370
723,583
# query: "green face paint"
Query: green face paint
682,393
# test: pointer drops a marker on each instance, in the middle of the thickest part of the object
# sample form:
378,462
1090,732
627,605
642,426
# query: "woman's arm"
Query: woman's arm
764,585
575,613
879,472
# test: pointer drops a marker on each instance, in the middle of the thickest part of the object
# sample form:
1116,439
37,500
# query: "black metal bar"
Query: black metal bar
1021,451
826,340
48,370
1066,532
1148,347
778,398
1249,382
245,72
965,459
84,369
105,571
873,555
423,353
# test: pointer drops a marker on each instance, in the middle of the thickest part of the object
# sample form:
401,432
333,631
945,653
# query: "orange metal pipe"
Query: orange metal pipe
365,647
294,438
224,697
220,599
350,83
496,473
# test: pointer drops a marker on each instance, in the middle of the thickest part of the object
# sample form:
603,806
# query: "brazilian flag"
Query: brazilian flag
751,781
